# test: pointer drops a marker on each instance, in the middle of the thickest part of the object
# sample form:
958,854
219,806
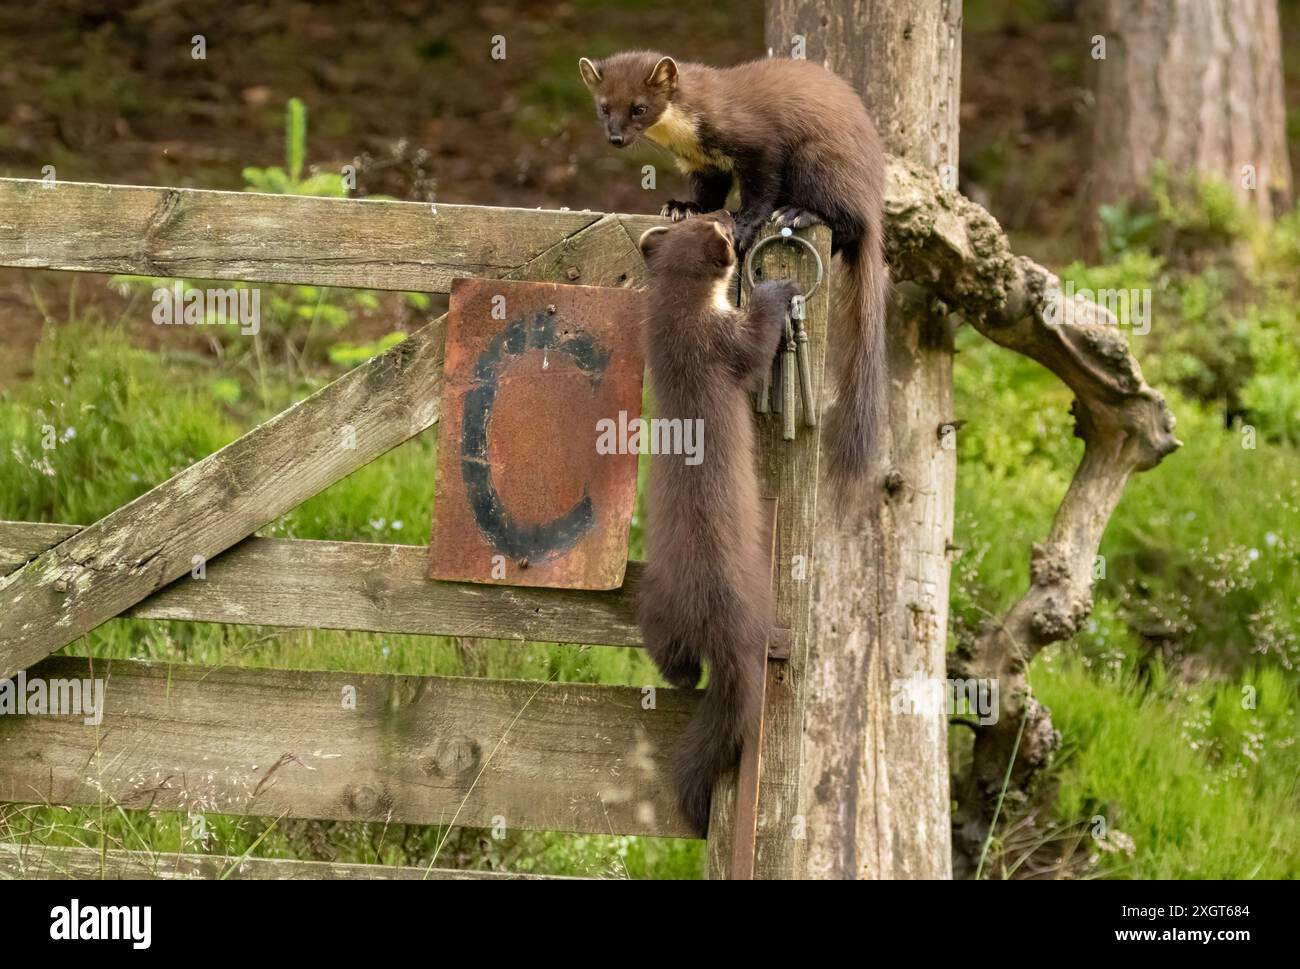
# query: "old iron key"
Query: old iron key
789,351
797,310
777,391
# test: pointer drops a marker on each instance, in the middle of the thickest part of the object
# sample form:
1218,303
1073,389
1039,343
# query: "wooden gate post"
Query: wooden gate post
788,471
875,782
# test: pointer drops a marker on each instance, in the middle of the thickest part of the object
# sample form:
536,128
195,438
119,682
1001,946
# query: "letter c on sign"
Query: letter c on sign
531,542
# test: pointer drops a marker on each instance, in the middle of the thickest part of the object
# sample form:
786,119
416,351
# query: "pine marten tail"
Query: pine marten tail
725,720
853,424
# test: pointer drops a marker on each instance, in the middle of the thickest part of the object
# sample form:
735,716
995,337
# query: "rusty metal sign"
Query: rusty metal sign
529,490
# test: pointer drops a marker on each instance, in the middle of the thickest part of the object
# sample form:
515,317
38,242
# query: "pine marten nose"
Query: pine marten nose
616,140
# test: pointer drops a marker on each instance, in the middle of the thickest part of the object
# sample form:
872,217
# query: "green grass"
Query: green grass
1203,786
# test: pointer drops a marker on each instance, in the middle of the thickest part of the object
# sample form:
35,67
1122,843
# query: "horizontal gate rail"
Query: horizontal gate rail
20,542
369,587
365,587
354,747
202,234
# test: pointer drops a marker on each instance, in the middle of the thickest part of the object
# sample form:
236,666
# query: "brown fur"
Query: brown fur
706,594
800,143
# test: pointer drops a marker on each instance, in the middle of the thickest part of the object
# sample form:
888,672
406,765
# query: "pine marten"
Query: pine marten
802,147
706,592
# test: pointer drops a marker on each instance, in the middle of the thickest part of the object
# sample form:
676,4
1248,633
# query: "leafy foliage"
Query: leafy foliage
1196,610
288,180
297,315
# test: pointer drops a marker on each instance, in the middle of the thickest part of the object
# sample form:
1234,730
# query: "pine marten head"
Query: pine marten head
699,248
633,91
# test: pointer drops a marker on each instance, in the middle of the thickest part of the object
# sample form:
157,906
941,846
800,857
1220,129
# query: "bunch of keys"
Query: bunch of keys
776,394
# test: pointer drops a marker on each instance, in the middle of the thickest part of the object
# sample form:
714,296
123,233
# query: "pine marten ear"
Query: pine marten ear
650,240
718,247
664,74
590,73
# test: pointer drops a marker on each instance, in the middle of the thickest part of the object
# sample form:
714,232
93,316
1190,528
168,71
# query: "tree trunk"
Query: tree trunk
1195,83
874,785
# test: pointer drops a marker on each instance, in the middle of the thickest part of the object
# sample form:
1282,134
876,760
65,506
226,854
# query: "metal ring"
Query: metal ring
749,259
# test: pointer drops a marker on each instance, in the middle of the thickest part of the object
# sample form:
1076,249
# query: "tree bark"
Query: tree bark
1194,83
874,783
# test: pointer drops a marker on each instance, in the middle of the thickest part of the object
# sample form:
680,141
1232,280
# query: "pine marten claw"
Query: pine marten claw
793,217
677,211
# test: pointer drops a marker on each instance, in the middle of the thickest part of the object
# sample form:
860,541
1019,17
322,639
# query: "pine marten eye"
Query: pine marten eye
638,110
603,109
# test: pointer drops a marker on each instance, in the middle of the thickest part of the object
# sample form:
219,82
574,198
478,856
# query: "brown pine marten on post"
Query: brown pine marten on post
706,593
801,145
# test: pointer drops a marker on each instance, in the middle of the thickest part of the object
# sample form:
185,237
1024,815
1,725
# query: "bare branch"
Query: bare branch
954,248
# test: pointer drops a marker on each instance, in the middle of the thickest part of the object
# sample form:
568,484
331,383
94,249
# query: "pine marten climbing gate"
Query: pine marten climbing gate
416,750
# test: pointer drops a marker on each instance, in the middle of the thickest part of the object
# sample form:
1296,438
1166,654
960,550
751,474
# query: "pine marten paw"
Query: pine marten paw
744,235
793,217
675,210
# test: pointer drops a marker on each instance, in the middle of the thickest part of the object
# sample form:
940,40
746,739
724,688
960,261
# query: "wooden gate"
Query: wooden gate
417,750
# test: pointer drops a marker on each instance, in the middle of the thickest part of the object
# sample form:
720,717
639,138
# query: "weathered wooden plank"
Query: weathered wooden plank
368,587
789,471
20,542
382,588
202,234
748,772
348,746
29,861
110,566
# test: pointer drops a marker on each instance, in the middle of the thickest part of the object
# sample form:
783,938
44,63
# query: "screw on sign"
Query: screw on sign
523,495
